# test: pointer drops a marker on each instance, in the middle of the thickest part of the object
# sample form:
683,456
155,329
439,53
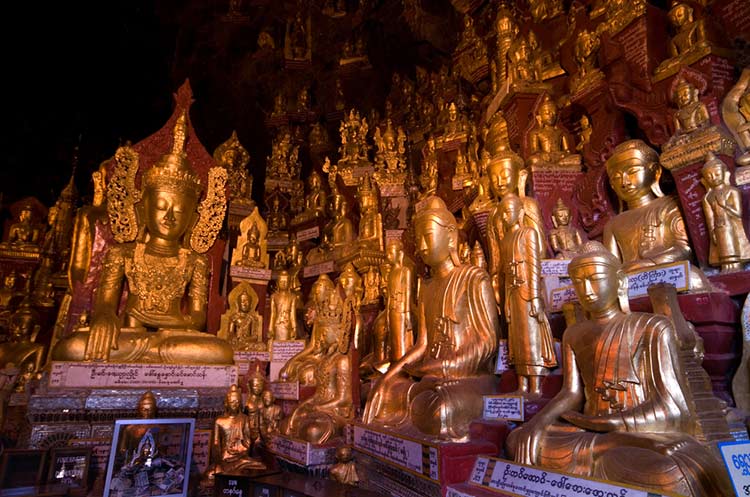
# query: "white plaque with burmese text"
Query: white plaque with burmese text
308,234
110,375
318,269
285,390
676,274
503,407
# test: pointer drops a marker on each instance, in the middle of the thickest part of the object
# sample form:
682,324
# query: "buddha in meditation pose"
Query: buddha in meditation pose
622,413
24,234
436,388
565,240
548,143
651,231
315,200
153,256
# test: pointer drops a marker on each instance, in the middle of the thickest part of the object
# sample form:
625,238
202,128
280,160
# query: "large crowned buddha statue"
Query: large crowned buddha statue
162,234
623,413
651,230
436,388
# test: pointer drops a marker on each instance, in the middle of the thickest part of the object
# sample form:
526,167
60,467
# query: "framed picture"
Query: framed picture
21,467
150,457
69,465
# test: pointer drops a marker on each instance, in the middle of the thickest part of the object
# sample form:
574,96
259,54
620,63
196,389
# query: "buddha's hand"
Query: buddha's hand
102,337
526,443
377,399
537,309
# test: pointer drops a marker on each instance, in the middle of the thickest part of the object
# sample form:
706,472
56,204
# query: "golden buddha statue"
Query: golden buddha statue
302,366
471,52
256,385
620,14
691,116
158,266
546,65
651,231
455,124
323,416
20,348
586,51
133,434
564,239
89,221
436,388
233,157
507,175
690,40
252,255
735,109
279,105
541,10
584,135
283,314
276,216
547,142
353,131
270,415
390,158
341,229
370,234
622,414
24,234
506,30
400,303
345,471
8,293
315,200
722,205
530,345
242,325
522,70
232,438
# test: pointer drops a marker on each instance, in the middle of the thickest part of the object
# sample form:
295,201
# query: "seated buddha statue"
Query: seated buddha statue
276,217
302,366
232,438
241,325
436,388
153,256
651,231
252,253
24,234
690,36
342,229
691,116
622,414
315,200
547,142
20,348
324,415
565,239
8,292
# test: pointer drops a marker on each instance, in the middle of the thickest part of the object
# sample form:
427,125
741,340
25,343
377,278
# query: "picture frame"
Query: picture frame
22,467
69,466
150,457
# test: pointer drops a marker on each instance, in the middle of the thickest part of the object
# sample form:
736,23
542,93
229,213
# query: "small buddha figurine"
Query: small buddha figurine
735,109
233,438
283,314
370,220
436,388
303,100
232,156
506,30
345,470
28,374
586,51
372,286
302,366
20,347
530,346
651,231
279,105
565,240
504,172
256,385
318,136
8,292
276,217
342,228
399,302
323,416
522,71
315,200
241,325
547,142
24,234
622,414
689,38
158,266
584,135
455,124
251,250
270,415
266,41
722,205
691,116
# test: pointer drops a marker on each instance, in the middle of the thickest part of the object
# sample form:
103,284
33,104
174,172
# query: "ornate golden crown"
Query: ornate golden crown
172,171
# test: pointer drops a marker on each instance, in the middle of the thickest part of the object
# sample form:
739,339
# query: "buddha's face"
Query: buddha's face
503,178
229,156
504,25
10,281
394,253
256,385
21,326
562,216
596,284
244,303
510,211
267,398
630,178
25,215
233,402
283,282
147,409
679,15
714,175
548,114
434,241
168,214
684,95
314,182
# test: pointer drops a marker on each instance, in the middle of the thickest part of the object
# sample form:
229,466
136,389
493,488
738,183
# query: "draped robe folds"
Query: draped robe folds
461,324
631,373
